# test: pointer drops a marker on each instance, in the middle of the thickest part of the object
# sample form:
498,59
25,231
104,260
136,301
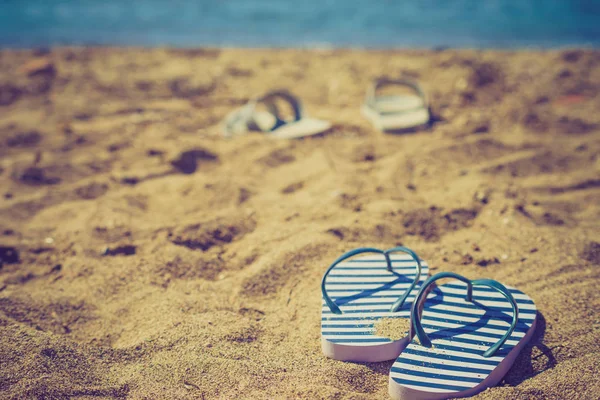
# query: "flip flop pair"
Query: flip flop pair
396,113
459,338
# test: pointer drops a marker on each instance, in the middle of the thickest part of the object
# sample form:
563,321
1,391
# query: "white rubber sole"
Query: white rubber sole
376,353
405,121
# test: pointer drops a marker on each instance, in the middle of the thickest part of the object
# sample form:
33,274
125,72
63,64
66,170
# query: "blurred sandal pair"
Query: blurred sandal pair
448,340
399,112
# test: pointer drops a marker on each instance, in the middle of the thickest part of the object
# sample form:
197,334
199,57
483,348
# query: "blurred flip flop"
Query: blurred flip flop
401,112
272,123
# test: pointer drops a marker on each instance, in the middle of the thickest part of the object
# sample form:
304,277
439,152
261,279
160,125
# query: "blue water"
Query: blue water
301,23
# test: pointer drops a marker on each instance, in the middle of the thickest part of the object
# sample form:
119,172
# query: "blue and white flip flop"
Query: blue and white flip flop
272,123
468,335
359,292
401,112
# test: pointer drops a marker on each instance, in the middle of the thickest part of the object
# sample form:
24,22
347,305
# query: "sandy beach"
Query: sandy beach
144,256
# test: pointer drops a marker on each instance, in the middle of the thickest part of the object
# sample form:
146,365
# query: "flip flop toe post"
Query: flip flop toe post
361,288
467,336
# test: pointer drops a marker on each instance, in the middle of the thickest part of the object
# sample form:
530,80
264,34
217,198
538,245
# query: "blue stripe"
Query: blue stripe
436,376
371,340
450,357
344,301
376,296
480,322
503,352
472,306
391,282
404,315
470,341
434,385
366,332
347,326
389,303
382,260
521,326
389,275
479,288
362,290
406,307
445,332
453,313
505,349
367,268
492,313
441,367
350,300
486,298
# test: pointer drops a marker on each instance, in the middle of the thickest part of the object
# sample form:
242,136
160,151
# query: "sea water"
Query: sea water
301,23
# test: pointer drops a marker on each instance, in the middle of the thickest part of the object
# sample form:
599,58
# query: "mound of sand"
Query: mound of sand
143,256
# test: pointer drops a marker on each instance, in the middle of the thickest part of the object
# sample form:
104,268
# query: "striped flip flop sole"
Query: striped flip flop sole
460,332
365,291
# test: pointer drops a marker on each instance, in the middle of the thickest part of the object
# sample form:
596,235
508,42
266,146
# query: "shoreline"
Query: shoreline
316,48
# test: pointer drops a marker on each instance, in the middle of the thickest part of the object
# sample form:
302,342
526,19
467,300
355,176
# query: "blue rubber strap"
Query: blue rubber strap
332,306
416,317
515,309
398,304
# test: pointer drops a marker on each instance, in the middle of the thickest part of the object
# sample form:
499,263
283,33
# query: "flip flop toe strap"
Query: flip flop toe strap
416,317
386,253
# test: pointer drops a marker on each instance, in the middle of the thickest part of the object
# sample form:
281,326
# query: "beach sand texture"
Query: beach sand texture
143,256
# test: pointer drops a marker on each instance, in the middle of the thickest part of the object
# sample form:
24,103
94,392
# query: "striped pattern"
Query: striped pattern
365,290
460,333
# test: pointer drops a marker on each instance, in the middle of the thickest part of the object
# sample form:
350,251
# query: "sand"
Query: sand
393,328
144,257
